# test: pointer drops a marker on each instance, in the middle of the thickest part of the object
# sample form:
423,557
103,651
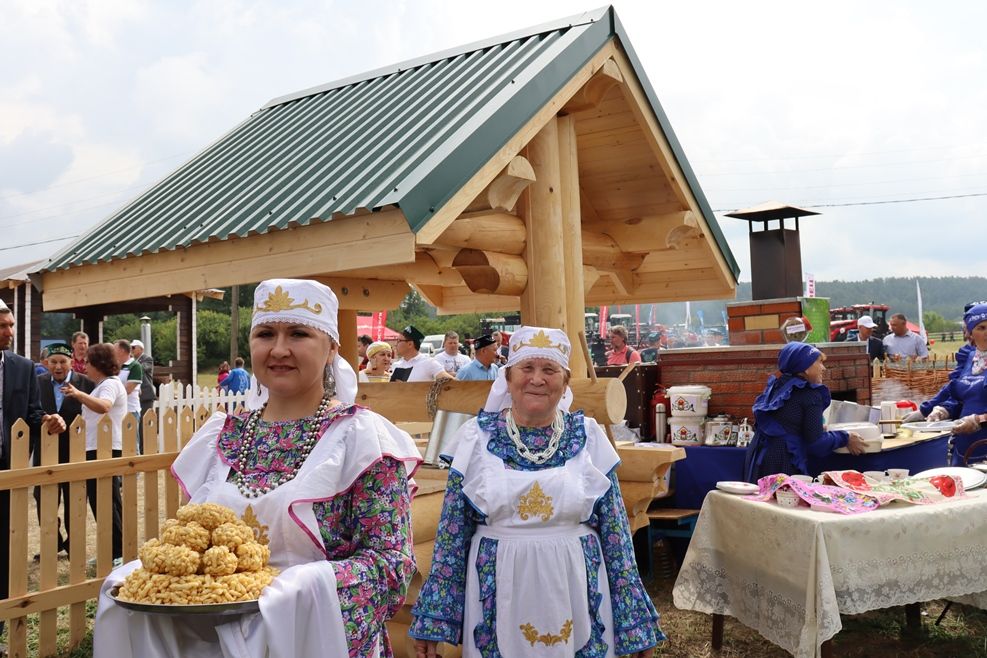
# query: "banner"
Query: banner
603,320
637,323
377,323
810,285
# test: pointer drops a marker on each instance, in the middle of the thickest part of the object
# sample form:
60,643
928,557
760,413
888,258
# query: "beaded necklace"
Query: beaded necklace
277,478
535,457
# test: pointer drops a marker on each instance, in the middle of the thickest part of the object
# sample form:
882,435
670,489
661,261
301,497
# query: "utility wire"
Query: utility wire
31,244
876,203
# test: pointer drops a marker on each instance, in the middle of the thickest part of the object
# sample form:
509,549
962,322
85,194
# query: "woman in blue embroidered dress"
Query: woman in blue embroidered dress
533,555
964,397
327,480
789,416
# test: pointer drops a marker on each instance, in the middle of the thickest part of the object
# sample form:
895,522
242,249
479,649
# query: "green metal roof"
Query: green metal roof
409,135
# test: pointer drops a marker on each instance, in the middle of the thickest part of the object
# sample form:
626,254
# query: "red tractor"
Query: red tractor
844,319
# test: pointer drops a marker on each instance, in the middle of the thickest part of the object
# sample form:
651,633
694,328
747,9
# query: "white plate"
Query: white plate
739,488
925,426
972,478
982,466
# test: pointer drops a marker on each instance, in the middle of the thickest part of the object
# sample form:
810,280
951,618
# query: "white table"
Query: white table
790,573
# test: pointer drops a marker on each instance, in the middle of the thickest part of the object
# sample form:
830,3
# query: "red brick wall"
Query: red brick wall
770,312
737,375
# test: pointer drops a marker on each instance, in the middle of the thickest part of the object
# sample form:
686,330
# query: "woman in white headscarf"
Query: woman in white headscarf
327,480
533,554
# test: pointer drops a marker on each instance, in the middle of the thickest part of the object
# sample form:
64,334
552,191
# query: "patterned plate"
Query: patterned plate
738,488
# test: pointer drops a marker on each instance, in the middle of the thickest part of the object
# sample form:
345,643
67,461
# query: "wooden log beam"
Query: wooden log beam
424,271
503,192
651,233
491,272
434,295
491,230
622,280
605,400
365,294
376,239
591,93
572,243
463,300
603,253
543,301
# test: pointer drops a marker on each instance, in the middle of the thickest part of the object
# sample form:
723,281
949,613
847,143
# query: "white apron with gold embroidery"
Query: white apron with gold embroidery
537,519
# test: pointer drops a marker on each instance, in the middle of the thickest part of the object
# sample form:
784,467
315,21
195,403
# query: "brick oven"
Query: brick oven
737,374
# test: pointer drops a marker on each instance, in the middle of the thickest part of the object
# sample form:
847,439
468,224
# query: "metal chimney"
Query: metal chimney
776,253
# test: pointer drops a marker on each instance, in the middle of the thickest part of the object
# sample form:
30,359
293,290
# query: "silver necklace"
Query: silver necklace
535,457
275,480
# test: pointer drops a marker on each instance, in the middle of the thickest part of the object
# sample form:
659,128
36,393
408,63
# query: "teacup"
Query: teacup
898,473
787,498
877,476
803,478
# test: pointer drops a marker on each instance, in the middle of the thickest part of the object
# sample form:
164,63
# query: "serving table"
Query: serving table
790,573
704,466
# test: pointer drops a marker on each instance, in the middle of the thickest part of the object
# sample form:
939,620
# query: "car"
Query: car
432,344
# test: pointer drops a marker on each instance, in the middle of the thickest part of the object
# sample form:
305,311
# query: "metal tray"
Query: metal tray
221,609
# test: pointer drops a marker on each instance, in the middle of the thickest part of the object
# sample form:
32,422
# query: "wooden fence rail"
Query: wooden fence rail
142,497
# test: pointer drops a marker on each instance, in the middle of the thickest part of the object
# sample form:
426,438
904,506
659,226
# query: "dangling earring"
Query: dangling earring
328,382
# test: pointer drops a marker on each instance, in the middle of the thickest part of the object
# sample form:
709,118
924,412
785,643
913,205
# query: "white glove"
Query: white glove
937,413
966,425
913,417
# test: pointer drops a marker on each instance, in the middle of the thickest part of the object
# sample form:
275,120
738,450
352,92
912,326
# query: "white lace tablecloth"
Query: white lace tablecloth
789,573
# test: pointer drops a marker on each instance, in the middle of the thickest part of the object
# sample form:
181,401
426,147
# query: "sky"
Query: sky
839,107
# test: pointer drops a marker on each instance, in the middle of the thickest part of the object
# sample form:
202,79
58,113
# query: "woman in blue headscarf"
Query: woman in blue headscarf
966,390
789,415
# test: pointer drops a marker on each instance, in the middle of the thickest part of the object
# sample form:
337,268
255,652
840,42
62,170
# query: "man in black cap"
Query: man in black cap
413,366
69,408
484,364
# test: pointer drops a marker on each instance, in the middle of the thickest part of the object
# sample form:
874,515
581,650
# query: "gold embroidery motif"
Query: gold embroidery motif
532,635
535,503
541,341
260,530
279,300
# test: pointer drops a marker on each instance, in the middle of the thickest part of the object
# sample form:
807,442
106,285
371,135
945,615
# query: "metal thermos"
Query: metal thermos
661,423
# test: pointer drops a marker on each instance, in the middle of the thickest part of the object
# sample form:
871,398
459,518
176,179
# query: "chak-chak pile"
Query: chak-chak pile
207,555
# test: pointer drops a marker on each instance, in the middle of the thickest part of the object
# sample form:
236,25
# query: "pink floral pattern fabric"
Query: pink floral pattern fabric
366,530
918,491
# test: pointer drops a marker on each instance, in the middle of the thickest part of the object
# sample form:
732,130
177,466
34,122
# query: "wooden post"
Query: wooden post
572,243
543,303
347,337
234,322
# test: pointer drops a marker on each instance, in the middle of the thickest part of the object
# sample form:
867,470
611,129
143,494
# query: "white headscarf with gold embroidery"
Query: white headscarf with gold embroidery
531,343
299,301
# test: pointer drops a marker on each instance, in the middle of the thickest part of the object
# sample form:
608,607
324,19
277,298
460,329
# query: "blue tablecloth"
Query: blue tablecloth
704,466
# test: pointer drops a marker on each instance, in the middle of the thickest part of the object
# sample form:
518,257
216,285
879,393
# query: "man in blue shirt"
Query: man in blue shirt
482,367
238,381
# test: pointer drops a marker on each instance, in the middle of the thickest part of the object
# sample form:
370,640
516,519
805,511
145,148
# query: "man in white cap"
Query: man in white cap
865,334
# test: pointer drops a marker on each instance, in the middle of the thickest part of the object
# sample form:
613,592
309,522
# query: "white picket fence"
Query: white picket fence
178,396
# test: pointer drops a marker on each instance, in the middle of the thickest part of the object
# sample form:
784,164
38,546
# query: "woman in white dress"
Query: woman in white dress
533,555
108,398
328,481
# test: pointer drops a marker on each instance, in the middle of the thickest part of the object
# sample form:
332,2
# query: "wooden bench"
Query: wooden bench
668,522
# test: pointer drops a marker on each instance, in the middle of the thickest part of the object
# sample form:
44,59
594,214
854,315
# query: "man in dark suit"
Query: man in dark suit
69,408
19,398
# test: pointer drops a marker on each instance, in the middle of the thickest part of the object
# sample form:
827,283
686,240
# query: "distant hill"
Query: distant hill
943,295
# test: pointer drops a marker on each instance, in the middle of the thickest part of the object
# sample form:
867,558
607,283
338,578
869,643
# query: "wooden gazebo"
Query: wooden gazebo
535,171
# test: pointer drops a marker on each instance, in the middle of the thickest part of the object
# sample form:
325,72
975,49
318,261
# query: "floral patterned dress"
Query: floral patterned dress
366,530
439,611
